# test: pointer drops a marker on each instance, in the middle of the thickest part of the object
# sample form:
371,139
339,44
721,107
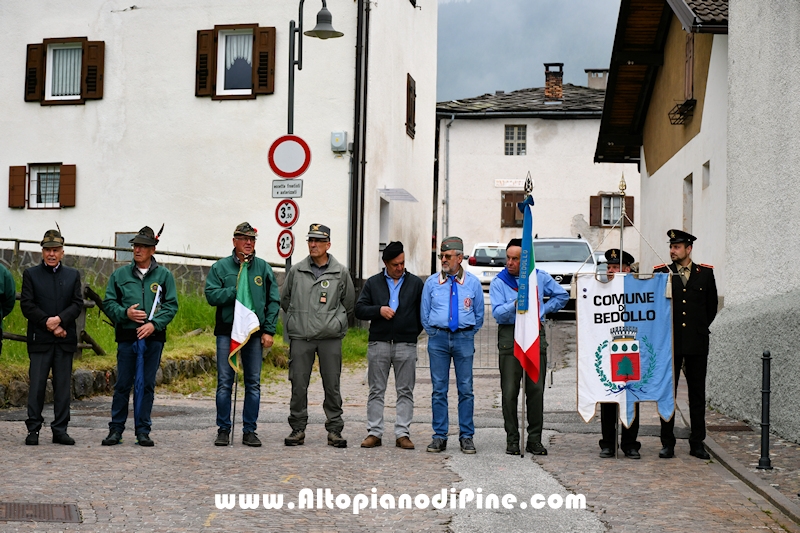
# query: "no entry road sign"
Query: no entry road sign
289,156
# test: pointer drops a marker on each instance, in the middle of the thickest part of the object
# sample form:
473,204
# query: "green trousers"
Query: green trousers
510,376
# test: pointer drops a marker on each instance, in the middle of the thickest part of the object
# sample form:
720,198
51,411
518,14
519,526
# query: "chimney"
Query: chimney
598,78
553,88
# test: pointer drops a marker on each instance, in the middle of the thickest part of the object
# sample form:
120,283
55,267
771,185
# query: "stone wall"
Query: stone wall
96,270
91,382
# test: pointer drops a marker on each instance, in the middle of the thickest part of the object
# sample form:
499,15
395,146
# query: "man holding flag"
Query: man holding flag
504,293
452,313
141,300
243,289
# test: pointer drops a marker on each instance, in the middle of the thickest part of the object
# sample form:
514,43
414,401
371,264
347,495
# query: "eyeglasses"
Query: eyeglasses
448,256
312,239
246,239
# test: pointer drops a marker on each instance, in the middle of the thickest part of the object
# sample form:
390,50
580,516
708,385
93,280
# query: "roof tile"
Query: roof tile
576,99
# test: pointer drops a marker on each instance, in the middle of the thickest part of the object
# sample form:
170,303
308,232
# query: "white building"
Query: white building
126,120
666,109
488,144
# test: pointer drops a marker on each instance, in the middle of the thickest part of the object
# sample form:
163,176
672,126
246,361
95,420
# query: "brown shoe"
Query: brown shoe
405,443
371,442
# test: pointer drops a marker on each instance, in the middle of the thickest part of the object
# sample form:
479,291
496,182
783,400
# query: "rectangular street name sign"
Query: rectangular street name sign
287,188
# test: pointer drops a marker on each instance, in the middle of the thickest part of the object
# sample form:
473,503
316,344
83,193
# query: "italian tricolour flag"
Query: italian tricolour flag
245,320
526,324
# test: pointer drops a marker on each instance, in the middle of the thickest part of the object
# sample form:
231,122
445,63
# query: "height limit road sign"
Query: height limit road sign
289,156
285,243
286,213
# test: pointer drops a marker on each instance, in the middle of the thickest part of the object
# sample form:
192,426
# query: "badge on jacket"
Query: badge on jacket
323,297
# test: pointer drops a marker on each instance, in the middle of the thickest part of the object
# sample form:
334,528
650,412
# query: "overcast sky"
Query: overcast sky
491,45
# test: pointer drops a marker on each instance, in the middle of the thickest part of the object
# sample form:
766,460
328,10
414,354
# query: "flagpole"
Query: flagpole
233,420
522,435
622,187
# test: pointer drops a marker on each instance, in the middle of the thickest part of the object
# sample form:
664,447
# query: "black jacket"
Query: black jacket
406,324
693,308
45,294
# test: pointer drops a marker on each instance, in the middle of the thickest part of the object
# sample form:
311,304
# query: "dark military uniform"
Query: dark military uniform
694,307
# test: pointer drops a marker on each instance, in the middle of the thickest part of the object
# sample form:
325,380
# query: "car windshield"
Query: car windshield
490,253
576,252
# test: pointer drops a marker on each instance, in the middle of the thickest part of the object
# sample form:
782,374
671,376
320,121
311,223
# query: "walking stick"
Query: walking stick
233,420
522,435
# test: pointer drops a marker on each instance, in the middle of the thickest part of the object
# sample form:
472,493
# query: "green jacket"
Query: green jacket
126,289
221,293
318,308
8,295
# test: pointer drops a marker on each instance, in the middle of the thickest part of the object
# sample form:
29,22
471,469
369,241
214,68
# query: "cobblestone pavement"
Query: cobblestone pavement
172,487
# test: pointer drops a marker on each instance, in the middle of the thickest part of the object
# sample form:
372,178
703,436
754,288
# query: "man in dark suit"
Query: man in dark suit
51,301
694,306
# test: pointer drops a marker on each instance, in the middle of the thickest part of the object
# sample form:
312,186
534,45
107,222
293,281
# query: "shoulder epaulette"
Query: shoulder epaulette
705,265
659,266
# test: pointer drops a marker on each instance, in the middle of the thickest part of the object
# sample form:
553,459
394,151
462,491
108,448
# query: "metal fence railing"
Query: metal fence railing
486,355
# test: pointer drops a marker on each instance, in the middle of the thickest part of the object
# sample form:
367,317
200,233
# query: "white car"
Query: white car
486,261
562,258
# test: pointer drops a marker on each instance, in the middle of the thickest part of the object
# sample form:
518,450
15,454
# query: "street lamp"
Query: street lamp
323,30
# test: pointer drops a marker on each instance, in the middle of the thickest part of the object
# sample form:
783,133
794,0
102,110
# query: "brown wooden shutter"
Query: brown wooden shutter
411,103
66,188
595,211
16,186
206,71
34,73
629,208
92,69
264,61
688,88
508,209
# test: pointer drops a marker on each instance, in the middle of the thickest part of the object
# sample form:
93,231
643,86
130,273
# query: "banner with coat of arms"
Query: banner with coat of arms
624,345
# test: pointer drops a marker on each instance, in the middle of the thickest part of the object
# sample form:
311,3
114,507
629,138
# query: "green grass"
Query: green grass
194,313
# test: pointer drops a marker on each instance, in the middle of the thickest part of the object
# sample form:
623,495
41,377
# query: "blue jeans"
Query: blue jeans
460,346
250,357
126,371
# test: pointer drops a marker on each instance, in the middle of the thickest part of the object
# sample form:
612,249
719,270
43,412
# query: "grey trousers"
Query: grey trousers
381,356
301,360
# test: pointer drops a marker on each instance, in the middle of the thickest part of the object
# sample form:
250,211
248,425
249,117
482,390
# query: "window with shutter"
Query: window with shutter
235,62
689,74
64,71
606,210
510,215
67,186
411,106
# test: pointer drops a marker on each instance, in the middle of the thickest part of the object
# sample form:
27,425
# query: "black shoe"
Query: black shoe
32,439
63,438
700,452
114,437
250,439
467,446
223,437
437,445
296,438
606,453
512,448
632,454
667,452
335,439
536,448
143,439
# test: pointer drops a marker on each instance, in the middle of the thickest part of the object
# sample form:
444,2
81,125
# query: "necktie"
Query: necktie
453,325
683,271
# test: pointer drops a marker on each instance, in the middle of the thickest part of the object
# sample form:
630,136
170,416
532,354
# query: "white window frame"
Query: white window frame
33,180
48,81
608,202
518,146
221,39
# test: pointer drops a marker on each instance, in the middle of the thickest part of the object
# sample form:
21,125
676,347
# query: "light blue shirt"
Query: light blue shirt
504,298
394,289
436,302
